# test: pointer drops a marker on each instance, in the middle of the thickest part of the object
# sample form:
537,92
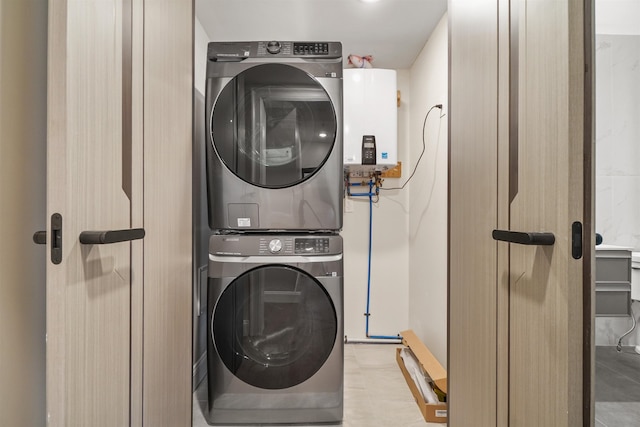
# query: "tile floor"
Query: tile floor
375,392
617,387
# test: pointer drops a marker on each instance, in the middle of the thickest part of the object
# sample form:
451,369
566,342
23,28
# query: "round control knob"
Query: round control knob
273,47
275,246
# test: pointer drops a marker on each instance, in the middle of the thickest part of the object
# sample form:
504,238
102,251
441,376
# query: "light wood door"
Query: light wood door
520,316
549,286
89,181
473,295
168,126
119,155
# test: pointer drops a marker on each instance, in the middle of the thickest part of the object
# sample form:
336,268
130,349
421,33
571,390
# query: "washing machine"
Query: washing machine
275,313
274,129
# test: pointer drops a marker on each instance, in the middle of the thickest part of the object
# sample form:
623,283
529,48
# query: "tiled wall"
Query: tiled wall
618,139
618,158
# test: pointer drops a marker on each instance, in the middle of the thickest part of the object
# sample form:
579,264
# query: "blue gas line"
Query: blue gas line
370,194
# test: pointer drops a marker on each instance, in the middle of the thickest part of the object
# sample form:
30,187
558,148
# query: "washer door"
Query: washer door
273,125
274,326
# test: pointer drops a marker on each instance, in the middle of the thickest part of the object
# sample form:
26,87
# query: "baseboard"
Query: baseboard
199,370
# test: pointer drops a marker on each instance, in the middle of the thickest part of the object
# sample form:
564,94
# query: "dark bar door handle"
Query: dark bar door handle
531,238
40,237
110,236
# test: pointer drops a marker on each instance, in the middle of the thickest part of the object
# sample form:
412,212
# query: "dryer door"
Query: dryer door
274,326
273,125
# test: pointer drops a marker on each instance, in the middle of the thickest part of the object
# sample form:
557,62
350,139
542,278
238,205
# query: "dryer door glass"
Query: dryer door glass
274,326
273,125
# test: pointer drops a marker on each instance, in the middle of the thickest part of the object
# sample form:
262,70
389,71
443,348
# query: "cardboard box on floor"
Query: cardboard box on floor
432,412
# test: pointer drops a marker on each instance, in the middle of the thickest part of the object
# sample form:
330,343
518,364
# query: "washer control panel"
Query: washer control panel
294,245
312,245
274,47
275,245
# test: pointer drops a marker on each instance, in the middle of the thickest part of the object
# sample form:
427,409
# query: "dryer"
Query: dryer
274,128
275,349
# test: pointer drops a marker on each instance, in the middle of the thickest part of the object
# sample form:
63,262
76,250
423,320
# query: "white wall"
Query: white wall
618,139
617,136
618,158
428,195
201,39
617,16
389,298
409,273
23,119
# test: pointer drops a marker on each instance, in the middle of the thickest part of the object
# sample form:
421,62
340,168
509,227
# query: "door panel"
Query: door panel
168,124
524,310
119,157
546,283
88,293
473,212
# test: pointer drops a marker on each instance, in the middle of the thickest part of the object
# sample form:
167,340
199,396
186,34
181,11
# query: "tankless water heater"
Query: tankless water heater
370,119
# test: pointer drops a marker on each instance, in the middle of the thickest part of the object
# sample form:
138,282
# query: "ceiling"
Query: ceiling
392,31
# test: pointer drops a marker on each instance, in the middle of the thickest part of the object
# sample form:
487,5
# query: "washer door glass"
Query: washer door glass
274,326
273,125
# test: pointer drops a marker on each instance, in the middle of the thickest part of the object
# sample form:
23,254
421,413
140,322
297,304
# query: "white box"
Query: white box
370,108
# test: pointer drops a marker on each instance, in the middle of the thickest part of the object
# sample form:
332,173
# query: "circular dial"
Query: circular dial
273,47
275,246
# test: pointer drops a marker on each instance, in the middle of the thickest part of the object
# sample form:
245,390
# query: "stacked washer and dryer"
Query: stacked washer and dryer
275,271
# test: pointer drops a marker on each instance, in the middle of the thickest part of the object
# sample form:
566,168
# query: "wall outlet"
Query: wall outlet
348,205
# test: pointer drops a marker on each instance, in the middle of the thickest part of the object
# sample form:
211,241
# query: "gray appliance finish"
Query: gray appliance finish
274,132
200,242
613,281
275,314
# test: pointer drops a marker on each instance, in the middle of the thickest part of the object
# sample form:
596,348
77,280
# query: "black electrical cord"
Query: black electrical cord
424,146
